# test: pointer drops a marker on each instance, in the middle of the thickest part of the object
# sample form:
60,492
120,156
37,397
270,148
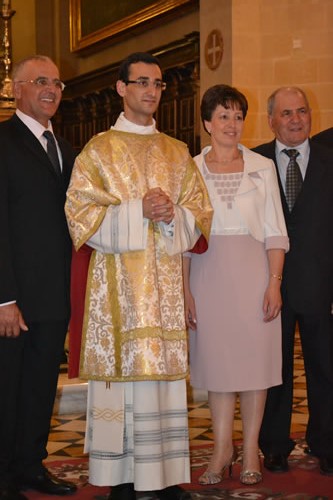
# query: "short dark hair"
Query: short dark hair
135,58
224,95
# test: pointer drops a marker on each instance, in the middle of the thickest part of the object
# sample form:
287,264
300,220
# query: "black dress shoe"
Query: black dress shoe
47,483
9,492
326,466
122,492
173,493
276,463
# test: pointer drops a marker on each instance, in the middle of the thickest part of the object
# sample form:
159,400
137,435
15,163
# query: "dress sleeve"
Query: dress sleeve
275,231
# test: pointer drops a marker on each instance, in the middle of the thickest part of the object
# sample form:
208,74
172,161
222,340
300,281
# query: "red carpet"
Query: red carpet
303,482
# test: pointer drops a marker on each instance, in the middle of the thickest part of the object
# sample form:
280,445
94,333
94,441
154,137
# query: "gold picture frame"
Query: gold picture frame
98,21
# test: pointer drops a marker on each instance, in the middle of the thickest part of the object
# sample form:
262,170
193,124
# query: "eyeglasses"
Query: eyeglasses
145,82
42,81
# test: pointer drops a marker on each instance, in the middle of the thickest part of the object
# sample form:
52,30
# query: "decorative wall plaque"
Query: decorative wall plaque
214,49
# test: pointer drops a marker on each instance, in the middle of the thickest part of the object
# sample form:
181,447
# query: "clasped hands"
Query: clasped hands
157,206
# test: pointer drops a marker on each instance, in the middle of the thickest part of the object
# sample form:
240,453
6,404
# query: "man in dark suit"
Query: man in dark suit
325,137
307,284
35,251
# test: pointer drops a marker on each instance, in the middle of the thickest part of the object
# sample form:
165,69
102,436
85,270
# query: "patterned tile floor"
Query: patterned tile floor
67,432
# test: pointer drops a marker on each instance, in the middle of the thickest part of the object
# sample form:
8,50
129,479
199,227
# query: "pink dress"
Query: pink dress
232,349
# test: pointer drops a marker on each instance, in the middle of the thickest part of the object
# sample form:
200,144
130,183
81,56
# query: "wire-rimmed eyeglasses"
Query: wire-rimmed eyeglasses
145,82
42,81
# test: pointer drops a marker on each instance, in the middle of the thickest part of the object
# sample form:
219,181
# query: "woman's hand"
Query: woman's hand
272,298
190,313
272,302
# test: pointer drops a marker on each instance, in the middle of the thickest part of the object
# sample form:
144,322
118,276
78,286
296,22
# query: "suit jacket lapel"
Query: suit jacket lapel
34,146
248,182
68,157
314,172
270,153
252,177
313,179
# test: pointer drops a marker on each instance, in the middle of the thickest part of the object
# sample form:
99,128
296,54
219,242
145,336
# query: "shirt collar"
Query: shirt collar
33,125
125,125
303,148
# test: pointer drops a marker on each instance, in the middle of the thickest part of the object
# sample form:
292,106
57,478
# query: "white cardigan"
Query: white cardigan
258,198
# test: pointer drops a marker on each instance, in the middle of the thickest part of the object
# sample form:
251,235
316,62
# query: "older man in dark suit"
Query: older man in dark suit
305,171
35,251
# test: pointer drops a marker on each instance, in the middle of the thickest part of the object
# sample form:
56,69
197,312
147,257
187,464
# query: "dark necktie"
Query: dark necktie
52,151
294,178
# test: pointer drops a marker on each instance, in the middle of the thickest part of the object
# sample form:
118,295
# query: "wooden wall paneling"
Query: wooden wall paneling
91,103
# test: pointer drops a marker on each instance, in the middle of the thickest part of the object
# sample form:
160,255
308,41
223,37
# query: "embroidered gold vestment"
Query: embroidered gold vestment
134,325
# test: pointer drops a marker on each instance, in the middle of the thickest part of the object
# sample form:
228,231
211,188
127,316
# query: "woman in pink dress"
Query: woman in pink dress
232,291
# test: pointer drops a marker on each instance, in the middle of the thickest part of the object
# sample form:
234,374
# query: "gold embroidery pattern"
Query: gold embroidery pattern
134,325
107,414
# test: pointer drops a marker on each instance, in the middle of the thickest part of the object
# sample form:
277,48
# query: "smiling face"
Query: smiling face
226,125
140,103
40,103
290,119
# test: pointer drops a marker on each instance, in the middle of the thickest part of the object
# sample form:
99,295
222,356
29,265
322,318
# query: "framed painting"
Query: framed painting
97,21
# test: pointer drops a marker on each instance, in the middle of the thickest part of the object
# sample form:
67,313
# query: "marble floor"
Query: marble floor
68,427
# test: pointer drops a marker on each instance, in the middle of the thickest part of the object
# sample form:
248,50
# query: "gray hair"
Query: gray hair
271,99
20,65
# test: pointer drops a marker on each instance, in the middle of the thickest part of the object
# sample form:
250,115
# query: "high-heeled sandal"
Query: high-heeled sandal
211,477
250,477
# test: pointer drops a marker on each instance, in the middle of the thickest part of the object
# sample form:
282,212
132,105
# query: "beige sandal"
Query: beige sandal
250,477
211,477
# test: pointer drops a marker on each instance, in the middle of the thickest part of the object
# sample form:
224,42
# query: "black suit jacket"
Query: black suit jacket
35,247
308,271
325,137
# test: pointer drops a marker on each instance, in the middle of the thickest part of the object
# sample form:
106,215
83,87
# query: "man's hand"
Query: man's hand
11,321
157,206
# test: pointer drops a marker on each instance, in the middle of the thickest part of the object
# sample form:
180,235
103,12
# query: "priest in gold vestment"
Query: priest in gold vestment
137,199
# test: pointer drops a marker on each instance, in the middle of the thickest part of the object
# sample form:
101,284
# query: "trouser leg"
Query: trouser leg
316,332
42,355
274,435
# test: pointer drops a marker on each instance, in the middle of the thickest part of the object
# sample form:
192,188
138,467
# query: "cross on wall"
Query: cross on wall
214,49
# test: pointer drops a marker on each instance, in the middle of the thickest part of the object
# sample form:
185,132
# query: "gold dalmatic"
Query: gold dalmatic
134,325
